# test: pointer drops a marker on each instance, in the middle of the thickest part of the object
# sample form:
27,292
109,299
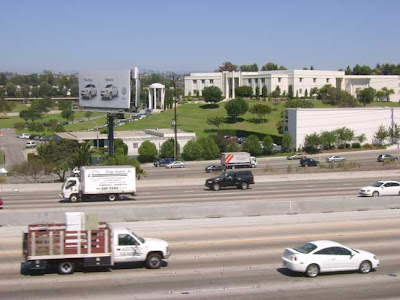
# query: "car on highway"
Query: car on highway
240,179
23,136
323,256
381,188
335,158
163,162
3,172
176,164
298,155
1,203
109,92
309,162
387,157
212,168
30,144
89,91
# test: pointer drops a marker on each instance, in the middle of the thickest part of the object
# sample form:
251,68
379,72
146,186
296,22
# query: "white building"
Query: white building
133,138
300,122
301,81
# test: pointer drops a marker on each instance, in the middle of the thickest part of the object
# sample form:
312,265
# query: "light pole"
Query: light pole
97,131
174,121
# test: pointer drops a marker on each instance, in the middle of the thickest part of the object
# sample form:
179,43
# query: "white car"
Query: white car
23,136
89,91
327,256
335,158
3,171
381,188
176,164
109,92
30,144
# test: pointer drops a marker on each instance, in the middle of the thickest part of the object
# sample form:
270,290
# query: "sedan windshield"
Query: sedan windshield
377,184
109,86
306,248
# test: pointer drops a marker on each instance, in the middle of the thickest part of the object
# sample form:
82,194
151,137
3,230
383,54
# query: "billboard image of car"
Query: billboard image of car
109,92
103,86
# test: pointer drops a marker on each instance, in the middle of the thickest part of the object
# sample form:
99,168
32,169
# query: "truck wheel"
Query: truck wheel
216,187
112,197
153,261
244,185
74,198
66,268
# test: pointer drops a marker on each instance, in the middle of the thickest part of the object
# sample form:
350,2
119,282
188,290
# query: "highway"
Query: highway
230,258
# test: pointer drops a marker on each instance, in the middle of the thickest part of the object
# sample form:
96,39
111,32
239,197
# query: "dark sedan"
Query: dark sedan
213,168
309,162
386,157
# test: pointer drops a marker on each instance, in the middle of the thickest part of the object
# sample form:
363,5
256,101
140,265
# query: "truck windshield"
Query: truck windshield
138,237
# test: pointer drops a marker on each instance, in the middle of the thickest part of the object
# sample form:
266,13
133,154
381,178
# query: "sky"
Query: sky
195,36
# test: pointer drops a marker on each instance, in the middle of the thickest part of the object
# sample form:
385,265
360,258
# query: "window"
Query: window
211,81
326,251
126,240
327,80
314,80
256,80
301,91
203,81
306,248
279,79
301,79
262,80
135,145
194,81
249,81
341,251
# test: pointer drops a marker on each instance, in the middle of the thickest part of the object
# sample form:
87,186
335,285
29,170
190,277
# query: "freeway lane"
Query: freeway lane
232,258
265,191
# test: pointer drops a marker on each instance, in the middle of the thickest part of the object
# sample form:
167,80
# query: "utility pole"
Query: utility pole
175,121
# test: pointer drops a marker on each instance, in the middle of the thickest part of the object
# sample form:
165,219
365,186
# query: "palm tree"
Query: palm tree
82,154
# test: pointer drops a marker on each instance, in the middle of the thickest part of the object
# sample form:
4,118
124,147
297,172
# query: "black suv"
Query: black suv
309,162
240,179
163,162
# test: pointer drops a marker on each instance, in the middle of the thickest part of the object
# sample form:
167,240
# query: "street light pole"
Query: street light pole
175,123
97,131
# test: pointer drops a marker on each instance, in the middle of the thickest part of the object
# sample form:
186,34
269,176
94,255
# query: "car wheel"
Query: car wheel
375,194
244,185
66,268
365,267
153,261
112,197
73,198
216,187
312,270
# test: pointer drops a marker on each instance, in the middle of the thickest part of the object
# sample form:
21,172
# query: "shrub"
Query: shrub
355,145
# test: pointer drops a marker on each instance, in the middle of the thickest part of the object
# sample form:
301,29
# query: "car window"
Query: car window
126,240
388,184
395,184
377,184
341,251
306,248
326,251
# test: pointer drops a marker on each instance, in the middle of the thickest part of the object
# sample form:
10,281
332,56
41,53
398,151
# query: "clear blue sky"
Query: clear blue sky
186,35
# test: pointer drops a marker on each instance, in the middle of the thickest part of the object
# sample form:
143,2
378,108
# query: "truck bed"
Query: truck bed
52,241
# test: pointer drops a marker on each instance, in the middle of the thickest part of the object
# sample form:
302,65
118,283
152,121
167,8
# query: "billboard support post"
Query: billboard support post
110,119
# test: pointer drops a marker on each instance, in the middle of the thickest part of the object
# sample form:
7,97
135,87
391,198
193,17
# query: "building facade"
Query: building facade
299,122
302,82
133,138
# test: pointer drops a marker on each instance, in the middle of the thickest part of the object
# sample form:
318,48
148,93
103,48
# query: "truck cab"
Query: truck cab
128,247
70,189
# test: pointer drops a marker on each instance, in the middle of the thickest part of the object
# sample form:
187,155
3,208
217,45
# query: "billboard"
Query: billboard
105,89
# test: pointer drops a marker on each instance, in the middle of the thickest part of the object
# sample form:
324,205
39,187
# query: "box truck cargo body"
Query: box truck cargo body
82,241
238,159
108,181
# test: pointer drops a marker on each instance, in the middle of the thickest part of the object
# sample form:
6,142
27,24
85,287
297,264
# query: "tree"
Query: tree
6,106
236,107
260,110
33,168
212,94
10,89
276,93
361,138
88,114
167,149
367,95
215,121
381,134
257,92
384,94
306,94
268,144
147,152
312,142
82,154
394,132
269,67
208,148
30,114
232,146
327,139
287,142
264,92
243,91
42,105
59,155
311,68
290,92
68,114
45,89
120,146
313,91
348,71
124,160
334,96
343,135
227,66
249,68
3,79
252,145
191,151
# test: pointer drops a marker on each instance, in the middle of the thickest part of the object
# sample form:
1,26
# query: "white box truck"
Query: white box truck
238,159
92,244
97,181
